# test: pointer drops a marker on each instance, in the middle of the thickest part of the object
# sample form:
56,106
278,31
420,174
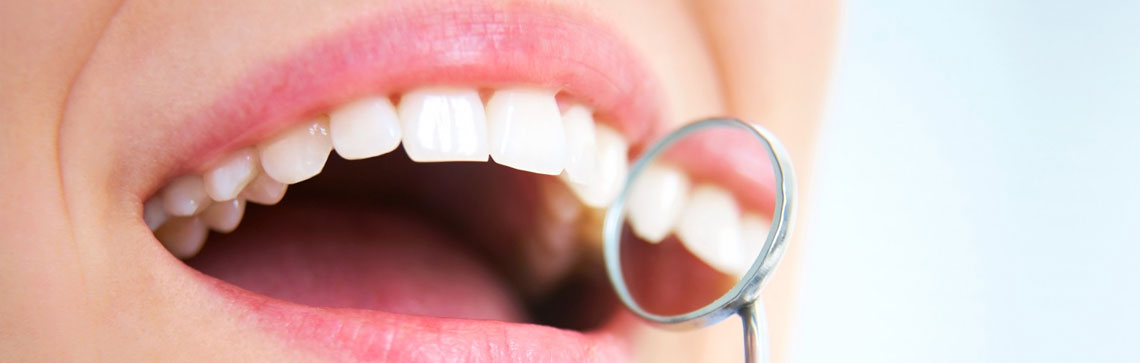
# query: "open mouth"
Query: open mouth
427,182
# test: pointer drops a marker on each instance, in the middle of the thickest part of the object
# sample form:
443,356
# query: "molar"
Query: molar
224,216
185,196
524,130
182,236
366,128
298,153
443,124
264,190
226,180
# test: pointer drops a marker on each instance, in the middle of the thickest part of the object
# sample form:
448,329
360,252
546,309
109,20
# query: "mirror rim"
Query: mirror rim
747,289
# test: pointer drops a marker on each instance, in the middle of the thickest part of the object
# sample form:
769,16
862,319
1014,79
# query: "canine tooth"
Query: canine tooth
610,171
524,130
365,128
753,234
224,216
656,201
581,151
443,124
182,236
264,190
226,180
185,196
298,153
154,213
709,227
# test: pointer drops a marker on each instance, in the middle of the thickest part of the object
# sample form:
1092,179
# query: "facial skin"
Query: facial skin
73,284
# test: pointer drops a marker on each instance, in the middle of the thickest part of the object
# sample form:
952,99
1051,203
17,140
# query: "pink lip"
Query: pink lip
450,43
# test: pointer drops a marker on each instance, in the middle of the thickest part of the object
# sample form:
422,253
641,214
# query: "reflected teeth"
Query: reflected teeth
753,233
524,131
519,127
298,153
365,128
444,124
656,200
226,180
709,227
611,166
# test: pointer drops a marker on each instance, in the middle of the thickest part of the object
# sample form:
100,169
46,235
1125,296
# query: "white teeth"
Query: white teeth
753,233
610,172
226,180
185,196
709,227
224,216
183,236
443,124
656,201
154,213
365,128
580,144
298,153
264,190
524,130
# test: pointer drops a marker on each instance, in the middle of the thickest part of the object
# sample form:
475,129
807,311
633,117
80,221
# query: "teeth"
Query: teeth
365,128
183,236
264,190
580,144
224,216
185,196
524,130
753,233
153,213
226,180
656,201
298,153
444,124
610,171
709,227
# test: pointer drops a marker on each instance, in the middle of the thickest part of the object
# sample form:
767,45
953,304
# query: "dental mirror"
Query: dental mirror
700,224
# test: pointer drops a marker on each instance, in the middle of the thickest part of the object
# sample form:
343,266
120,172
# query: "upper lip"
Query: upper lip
468,44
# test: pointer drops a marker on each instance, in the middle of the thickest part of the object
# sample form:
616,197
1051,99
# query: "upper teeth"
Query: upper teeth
518,127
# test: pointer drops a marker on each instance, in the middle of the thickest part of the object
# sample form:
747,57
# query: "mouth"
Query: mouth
429,182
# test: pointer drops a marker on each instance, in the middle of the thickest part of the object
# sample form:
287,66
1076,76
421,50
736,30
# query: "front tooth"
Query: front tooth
753,234
709,227
183,236
154,213
581,152
264,190
656,200
365,128
610,172
443,124
224,216
298,153
524,130
226,180
185,196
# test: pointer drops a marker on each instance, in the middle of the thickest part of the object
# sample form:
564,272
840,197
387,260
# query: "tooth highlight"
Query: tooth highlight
366,128
224,216
298,153
656,200
753,234
182,236
185,196
226,180
443,124
264,190
154,213
610,169
709,227
581,155
524,130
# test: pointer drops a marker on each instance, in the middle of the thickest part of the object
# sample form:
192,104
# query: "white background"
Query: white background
977,190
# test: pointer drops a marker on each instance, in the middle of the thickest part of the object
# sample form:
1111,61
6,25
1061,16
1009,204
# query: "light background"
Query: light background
977,192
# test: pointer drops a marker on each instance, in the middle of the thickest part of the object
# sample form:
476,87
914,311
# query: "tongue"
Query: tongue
356,258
